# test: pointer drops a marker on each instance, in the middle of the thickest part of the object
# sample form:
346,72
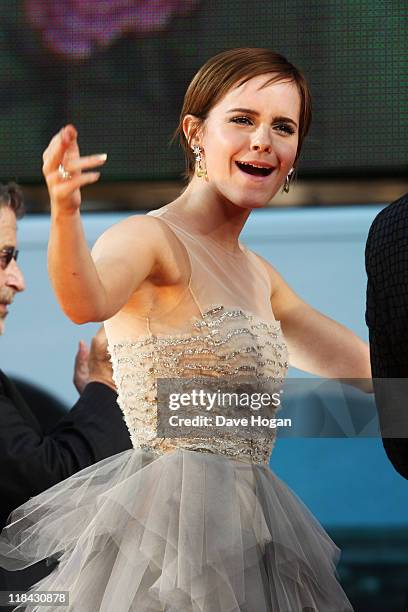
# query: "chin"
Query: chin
246,201
249,200
252,203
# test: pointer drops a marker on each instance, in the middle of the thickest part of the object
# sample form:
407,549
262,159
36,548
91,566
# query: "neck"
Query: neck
210,214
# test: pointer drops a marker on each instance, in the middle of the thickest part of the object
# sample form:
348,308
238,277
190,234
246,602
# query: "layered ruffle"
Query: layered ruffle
184,531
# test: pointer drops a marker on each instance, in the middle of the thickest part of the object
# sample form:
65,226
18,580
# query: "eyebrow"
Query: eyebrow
254,112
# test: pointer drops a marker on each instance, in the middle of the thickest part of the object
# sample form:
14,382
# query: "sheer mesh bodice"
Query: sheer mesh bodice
223,326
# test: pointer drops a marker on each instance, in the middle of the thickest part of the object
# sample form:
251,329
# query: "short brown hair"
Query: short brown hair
235,67
12,197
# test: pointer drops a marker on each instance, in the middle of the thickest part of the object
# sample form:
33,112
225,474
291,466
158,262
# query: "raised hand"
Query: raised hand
63,170
81,367
93,365
100,366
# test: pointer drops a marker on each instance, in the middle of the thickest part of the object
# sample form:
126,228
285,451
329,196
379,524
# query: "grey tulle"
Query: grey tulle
185,531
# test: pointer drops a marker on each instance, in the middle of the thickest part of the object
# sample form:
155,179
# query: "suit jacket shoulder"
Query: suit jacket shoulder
389,225
8,391
386,260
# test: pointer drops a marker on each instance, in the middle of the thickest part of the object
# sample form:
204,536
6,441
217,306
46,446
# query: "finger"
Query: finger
63,189
101,334
85,163
99,343
83,348
54,153
62,135
65,140
82,354
69,133
51,144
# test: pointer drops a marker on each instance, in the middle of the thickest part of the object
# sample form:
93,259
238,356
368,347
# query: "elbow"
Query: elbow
363,378
362,368
81,316
79,320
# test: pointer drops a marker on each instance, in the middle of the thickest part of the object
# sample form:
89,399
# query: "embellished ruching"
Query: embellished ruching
228,343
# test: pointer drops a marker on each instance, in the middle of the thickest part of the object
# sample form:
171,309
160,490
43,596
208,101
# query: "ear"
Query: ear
192,129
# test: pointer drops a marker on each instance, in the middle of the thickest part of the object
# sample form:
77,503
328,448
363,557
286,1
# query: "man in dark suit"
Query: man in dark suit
32,461
387,320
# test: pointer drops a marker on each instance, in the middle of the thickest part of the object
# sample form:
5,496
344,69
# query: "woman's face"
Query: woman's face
250,140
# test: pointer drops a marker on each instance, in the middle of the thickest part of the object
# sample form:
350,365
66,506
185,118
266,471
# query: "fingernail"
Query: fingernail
102,156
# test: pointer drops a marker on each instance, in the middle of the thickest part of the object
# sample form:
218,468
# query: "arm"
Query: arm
31,462
92,430
316,343
387,321
387,291
91,287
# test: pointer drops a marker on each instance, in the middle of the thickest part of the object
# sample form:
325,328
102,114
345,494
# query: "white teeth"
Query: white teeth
254,165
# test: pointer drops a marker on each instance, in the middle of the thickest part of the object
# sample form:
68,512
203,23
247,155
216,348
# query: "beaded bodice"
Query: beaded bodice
223,340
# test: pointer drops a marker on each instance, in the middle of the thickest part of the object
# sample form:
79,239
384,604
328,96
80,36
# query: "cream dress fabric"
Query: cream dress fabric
184,524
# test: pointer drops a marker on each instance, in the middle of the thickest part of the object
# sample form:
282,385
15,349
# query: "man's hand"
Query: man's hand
93,365
81,367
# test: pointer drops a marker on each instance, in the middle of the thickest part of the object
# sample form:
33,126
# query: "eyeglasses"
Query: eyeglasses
6,255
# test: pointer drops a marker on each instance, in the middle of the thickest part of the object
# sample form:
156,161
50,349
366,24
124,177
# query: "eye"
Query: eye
242,120
286,128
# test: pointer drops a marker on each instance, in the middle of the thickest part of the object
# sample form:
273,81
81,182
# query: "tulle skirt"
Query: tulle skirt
185,531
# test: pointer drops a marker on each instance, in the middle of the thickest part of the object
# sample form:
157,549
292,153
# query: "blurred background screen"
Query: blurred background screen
118,70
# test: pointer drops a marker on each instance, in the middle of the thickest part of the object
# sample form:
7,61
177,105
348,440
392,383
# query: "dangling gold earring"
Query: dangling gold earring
201,170
286,184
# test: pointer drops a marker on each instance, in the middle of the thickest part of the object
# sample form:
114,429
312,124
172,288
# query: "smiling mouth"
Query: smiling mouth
254,170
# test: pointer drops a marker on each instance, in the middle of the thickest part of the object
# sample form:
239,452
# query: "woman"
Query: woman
196,523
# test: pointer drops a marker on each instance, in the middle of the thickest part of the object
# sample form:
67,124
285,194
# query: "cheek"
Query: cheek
286,151
223,144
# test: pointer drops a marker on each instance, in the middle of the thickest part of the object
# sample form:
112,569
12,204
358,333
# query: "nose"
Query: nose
14,276
261,141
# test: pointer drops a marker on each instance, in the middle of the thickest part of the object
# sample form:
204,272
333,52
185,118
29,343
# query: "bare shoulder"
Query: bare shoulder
139,239
130,233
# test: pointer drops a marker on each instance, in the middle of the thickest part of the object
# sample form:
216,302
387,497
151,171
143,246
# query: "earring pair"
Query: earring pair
201,170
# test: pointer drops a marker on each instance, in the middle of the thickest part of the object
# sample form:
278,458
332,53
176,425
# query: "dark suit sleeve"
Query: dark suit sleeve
387,292
31,462
387,315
